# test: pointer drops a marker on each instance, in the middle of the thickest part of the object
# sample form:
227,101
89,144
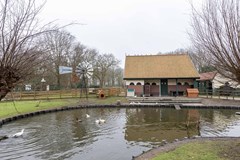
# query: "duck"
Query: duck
102,120
3,137
18,134
97,121
78,120
87,115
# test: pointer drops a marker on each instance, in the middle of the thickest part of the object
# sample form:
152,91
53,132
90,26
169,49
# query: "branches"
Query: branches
20,32
103,64
216,31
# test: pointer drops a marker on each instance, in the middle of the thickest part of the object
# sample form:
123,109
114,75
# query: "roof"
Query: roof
207,76
159,66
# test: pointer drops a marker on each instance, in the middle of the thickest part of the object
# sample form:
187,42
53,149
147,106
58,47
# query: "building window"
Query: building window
131,84
186,84
179,84
139,83
147,83
154,84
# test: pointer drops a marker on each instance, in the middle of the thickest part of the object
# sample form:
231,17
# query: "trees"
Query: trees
103,64
216,32
118,76
200,61
20,50
60,45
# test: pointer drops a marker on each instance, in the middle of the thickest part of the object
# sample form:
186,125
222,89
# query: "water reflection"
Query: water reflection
219,123
155,125
126,132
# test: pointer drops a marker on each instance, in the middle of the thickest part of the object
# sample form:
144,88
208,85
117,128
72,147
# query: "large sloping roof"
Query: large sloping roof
159,66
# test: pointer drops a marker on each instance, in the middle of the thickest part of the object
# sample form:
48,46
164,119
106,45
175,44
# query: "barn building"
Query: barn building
159,75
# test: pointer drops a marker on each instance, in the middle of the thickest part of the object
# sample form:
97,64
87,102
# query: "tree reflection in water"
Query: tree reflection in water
154,125
127,132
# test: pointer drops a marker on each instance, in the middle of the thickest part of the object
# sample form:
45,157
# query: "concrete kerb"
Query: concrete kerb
26,115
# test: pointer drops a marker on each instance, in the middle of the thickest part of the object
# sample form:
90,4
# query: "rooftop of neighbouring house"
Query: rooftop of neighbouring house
159,66
207,76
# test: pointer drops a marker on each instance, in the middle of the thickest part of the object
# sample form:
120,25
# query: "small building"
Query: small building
211,81
205,82
159,75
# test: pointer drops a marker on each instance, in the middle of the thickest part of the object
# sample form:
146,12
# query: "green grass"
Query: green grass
208,150
7,109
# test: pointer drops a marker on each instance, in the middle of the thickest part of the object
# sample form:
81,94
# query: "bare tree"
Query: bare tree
115,76
82,54
19,47
60,45
119,76
103,64
200,60
77,55
216,31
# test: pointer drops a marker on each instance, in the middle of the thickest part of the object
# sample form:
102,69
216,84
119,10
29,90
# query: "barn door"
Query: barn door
147,90
164,87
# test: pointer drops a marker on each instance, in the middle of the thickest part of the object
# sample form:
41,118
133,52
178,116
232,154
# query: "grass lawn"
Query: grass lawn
7,109
204,150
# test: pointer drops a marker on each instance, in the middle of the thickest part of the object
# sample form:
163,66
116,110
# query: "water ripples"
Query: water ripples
126,132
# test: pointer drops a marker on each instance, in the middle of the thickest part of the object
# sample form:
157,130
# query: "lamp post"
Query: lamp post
42,83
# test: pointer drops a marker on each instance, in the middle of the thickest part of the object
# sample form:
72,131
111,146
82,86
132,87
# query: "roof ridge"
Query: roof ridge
167,54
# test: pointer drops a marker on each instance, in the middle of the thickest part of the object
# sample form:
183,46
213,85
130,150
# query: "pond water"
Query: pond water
126,132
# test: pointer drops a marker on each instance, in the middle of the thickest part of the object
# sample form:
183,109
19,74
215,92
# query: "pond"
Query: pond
126,133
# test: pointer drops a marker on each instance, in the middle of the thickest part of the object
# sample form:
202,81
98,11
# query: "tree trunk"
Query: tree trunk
101,83
3,92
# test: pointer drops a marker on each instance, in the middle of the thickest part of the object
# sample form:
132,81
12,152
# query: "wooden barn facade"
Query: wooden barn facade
159,75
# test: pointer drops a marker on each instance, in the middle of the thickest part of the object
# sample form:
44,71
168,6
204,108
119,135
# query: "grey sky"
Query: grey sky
125,26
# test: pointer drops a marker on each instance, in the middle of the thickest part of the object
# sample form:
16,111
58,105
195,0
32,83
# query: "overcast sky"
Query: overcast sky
125,26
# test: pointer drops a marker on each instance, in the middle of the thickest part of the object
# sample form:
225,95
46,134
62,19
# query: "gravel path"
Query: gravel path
220,102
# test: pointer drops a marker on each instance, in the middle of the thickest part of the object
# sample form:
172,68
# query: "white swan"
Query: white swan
18,134
87,115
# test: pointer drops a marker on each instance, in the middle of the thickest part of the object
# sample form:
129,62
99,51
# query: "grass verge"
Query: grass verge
7,109
204,150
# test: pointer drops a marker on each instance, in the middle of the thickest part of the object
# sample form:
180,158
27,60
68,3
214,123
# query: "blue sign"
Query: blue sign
64,69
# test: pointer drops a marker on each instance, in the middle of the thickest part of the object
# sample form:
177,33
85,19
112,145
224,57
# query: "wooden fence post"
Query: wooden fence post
34,94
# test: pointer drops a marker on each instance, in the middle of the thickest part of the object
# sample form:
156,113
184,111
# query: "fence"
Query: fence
221,94
61,94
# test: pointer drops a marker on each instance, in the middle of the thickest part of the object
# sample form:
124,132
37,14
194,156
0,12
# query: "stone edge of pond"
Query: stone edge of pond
167,146
31,114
